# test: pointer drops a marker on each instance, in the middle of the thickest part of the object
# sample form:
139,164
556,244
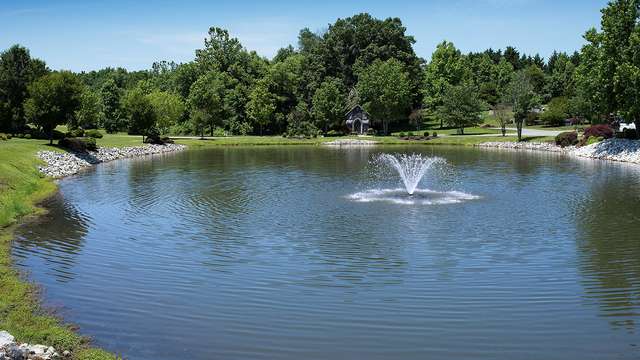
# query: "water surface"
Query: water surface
268,253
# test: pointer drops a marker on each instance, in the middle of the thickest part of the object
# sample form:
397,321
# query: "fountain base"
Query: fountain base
419,197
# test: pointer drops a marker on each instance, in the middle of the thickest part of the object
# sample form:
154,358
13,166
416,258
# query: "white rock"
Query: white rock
6,339
623,150
65,164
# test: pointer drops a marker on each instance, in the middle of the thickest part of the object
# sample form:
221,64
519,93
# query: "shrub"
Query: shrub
410,133
79,132
593,140
556,112
3,136
435,134
79,144
91,144
157,139
601,130
332,133
402,134
630,134
371,132
567,139
219,132
426,134
27,136
93,133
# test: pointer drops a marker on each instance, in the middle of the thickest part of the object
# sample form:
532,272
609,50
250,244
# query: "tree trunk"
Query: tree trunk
51,137
504,130
462,130
519,127
260,125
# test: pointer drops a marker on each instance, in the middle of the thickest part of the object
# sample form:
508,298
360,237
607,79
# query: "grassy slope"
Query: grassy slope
21,188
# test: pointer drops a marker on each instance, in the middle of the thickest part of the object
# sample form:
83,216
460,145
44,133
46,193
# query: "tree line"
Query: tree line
307,89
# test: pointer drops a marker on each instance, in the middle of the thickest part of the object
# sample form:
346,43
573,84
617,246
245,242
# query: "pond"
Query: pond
270,253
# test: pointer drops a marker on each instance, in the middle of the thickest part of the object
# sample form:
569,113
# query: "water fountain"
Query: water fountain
411,168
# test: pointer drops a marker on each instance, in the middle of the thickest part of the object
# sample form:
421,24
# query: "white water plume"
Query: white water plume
410,168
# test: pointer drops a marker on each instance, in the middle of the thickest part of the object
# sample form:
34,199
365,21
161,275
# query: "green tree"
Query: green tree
447,68
168,107
461,107
352,44
328,104
610,61
206,101
261,106
522,97
53,100
17,70
557,111
384,89
90,114
562,79
220,52
139,112
503,114
537,78
111,94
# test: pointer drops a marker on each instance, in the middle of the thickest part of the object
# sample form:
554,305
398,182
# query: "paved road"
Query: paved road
534,132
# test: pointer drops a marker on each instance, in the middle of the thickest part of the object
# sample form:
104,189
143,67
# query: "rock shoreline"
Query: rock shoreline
59,165
11,350
350,142
621,150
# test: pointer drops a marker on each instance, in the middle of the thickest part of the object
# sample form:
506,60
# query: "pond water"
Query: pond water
273,253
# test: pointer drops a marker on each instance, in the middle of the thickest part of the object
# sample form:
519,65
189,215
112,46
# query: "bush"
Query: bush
157,139
79,132
567,139
371,131
219,132
333,133
426,134
601,130
410,133
593,140
303,129
79,144
96,134
4,136
402,134
435,134
27,136
630,134
35,134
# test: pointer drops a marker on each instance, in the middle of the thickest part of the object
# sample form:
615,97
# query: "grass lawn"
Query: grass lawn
557,128
21,188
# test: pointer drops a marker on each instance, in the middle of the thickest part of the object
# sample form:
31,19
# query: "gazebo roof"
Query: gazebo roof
355,108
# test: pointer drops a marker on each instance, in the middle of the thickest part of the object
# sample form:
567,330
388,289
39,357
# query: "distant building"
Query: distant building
358,120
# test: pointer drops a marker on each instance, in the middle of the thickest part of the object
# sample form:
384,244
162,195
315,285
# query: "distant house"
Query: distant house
358,120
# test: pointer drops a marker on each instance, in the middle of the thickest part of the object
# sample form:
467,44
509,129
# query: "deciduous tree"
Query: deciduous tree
53,100
384,89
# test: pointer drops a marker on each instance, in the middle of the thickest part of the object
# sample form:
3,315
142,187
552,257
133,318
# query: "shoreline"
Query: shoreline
58,165
618,150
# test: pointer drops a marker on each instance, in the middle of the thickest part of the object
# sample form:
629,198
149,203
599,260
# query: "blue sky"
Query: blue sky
84,35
